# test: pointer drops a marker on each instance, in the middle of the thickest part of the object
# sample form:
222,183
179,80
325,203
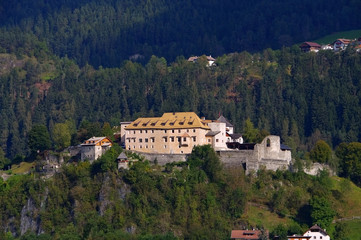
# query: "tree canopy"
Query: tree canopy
39,138
321,152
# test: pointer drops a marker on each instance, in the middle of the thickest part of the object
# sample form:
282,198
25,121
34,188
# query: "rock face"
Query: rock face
315,168
107,194
11,226
30,218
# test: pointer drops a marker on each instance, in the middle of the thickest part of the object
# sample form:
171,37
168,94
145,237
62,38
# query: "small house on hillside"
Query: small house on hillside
210,59
340,44
317,233
327,47
248,234
95,147
310,47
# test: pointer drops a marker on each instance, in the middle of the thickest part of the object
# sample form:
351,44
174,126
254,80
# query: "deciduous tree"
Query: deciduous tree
321,152
39,138
61,136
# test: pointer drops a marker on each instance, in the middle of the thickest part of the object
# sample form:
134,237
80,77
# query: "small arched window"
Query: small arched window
268,142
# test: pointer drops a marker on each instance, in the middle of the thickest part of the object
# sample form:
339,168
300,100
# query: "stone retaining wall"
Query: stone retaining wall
163,159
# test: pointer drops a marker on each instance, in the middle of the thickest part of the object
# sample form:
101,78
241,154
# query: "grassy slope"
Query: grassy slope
259,216
348,204
21,168
332,37
354,229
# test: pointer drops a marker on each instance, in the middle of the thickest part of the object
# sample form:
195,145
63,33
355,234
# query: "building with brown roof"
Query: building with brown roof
247,234
172,133
172,137
340,44
317,233
95,147
310,47
210,59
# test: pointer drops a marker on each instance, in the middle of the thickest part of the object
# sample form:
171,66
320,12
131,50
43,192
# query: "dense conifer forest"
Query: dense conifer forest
303,97
104,33
70,70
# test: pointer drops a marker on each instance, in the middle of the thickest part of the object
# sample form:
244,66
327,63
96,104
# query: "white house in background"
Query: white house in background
94,147
231,136
218,134
340,44
317,233
235,137
327,47
210,60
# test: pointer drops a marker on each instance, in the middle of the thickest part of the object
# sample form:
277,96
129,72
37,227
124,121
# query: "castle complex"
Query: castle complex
172,137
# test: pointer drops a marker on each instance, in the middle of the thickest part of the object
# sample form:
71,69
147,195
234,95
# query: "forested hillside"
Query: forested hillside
302,97
70,70
197,199
104,33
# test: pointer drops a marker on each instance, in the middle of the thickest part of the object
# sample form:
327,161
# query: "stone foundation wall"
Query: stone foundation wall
163,159
274,164
236,157
248,159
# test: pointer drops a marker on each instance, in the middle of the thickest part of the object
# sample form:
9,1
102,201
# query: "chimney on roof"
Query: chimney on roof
203,118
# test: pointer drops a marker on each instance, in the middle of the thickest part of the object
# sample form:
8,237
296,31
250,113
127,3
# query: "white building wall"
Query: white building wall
87,152
219,140
316,236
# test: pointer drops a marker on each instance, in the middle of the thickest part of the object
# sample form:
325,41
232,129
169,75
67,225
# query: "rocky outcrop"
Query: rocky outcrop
316,168
111,190
30,219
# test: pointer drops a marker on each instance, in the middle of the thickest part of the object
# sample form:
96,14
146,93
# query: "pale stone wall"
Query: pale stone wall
88,152
232,158
219,140
163,159
123,125
92,152
267,154
270,149
315,168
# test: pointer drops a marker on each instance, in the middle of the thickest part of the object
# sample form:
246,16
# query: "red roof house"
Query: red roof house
310,47
246,234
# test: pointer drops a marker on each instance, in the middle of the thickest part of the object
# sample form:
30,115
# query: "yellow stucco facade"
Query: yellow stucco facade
171,133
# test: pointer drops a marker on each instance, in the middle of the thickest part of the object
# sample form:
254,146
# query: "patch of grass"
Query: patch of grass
21,168
332,37
48,76
263,217
354,229
350,202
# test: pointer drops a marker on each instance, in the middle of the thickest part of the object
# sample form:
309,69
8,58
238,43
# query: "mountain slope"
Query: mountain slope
110,31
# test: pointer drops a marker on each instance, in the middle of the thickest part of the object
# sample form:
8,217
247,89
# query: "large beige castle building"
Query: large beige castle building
173,133
172,137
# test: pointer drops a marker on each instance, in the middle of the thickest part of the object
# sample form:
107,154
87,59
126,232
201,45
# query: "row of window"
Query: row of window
146,146
165,139
165,131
